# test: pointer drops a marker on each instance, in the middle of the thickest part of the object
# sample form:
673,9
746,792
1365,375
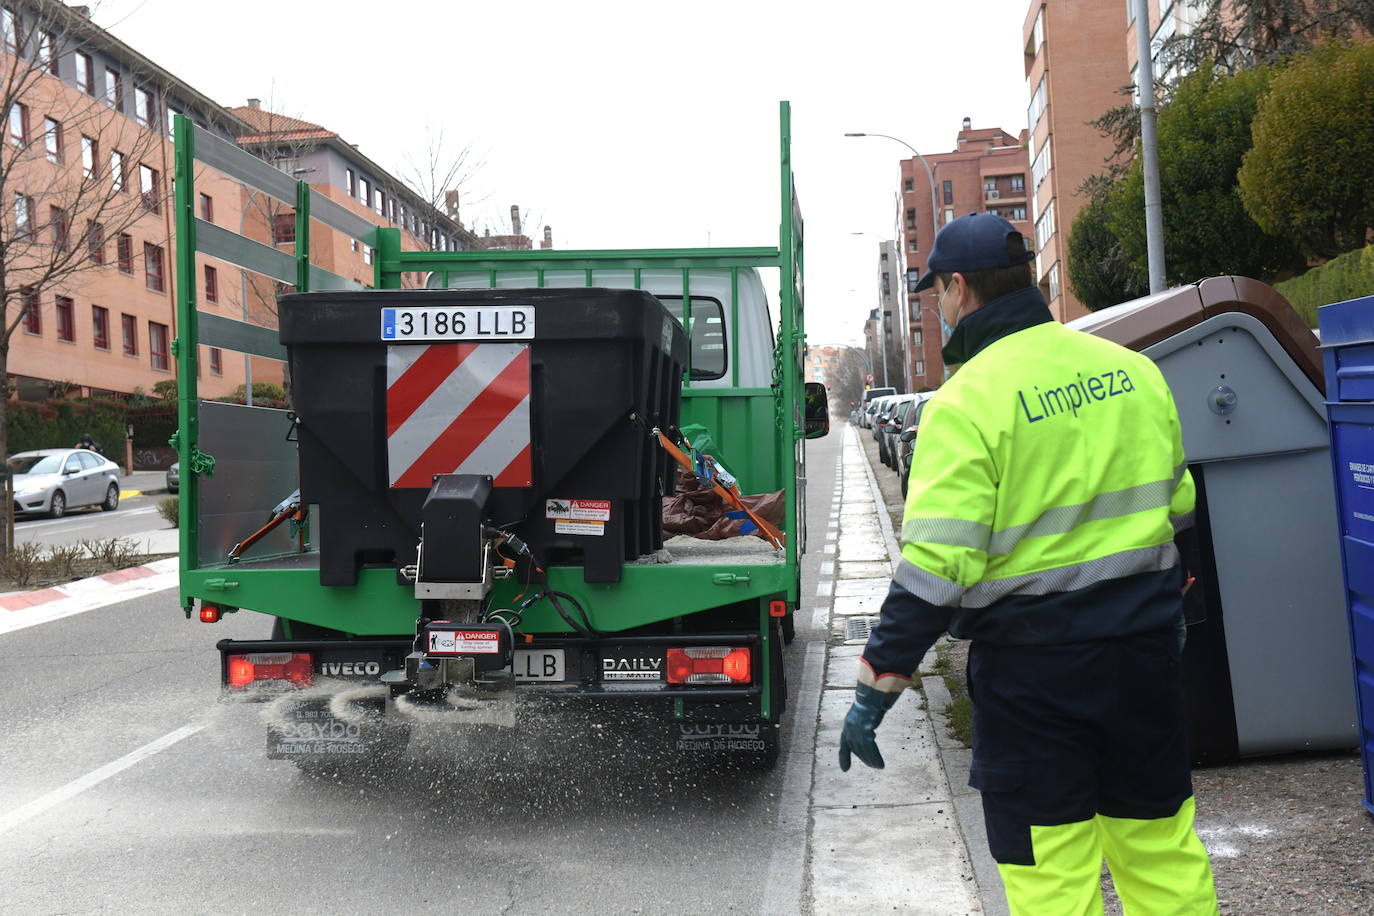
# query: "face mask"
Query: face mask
945,326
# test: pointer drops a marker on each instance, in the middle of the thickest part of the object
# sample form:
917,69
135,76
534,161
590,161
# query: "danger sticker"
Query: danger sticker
564,526
586,510
466,642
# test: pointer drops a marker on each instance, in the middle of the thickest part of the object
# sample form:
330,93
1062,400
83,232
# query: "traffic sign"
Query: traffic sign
869,378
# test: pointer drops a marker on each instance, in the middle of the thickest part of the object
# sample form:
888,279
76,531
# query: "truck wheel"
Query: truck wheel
789,628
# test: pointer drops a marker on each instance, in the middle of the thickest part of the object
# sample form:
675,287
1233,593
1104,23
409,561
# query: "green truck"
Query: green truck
464,502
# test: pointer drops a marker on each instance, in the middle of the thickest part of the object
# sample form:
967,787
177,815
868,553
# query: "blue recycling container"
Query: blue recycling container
1347,330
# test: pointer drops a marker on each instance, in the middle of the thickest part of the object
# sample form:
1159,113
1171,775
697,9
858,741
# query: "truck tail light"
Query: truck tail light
297,668
777,609
209,613
708,665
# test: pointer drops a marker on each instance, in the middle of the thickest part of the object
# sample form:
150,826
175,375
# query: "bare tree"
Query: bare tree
72,173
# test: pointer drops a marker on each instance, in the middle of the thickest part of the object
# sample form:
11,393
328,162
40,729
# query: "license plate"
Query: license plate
486,322
538,664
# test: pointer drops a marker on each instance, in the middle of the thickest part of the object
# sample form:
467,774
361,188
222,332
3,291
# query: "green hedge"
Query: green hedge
60,424
1349,276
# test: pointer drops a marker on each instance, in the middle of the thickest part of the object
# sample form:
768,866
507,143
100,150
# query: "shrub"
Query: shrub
22,563
170,510
116,553
61,560
1349,276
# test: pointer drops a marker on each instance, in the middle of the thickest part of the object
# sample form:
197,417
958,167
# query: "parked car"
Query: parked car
53,480
174,477
875,419
906,439
880,422
870,395
901,406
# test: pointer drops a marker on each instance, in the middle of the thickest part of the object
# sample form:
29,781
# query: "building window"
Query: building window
949,192
920,367
144,112
381,203
9,30
129,325
172,123
911,243
949,215
23,214
66,321
118,176
211,284
911,219
1044,227
912,276
908,185
352,178
52,139
149,186
100,327
216,361
365,192
95,242
152,266
367,254
1054,281
19,123
1037,104
1042,164
114,88
1018,184
157,345
60,224
1016,213
85,73
124,253
918,338
46,58
207,208
283,228
33,313
90,157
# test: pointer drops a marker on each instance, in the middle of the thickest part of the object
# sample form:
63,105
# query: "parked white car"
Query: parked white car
53,480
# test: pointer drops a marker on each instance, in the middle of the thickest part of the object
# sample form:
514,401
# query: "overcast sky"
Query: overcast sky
627,124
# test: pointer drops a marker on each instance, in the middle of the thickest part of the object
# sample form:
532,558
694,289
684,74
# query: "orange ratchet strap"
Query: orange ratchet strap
730,495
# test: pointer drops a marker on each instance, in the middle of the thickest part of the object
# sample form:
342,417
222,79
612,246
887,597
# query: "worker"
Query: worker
1039,524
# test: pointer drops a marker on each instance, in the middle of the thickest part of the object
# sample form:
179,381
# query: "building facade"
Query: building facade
1075,70
986,173
87,172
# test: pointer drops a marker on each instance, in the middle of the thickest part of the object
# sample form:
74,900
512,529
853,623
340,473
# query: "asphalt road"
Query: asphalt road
136,517
126,786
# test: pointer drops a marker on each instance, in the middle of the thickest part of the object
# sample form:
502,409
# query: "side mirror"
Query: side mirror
817,411
909,434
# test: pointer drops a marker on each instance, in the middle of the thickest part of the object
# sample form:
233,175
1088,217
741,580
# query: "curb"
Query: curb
18,601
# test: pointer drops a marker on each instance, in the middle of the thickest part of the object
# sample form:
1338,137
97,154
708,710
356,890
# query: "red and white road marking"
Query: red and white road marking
458,408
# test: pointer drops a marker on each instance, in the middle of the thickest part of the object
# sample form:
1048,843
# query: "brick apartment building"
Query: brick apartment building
1075,67
986,173
97,117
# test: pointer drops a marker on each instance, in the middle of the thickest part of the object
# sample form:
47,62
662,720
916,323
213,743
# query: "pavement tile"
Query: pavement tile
912,774
908,860
864,587
866,605
865,570
842,670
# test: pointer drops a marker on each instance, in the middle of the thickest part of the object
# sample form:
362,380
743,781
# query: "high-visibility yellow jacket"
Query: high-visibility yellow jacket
1046,487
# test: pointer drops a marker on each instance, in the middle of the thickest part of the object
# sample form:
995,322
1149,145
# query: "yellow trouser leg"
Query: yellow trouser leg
1066,879
1158,865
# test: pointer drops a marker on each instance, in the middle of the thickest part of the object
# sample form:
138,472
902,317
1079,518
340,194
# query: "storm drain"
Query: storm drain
856,629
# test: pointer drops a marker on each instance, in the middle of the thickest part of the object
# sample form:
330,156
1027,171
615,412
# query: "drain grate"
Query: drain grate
856,629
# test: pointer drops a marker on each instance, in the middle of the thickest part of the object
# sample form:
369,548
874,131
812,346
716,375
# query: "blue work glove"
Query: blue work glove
860,725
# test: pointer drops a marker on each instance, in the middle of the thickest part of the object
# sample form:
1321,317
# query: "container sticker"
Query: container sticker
586,510
1354,447
563,526
467,642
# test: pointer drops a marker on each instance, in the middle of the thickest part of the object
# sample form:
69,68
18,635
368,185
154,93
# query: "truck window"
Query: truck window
708,334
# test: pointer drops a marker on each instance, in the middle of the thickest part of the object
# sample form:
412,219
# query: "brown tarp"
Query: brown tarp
700,512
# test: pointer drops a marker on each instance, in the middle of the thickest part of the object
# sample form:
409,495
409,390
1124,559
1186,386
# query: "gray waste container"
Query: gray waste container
1268,649
1348,342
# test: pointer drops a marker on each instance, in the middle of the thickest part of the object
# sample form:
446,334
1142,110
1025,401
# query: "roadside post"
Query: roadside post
1347,330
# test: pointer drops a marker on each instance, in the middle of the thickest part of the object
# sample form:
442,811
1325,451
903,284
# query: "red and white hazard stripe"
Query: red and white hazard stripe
458,408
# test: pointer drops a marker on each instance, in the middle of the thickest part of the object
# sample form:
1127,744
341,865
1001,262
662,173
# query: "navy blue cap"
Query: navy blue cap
976,241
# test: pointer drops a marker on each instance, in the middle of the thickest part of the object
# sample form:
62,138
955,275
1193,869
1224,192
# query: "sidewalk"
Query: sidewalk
143,483
895,840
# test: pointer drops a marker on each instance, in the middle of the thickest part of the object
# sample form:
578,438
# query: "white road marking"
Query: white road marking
827,568
21,526
95,777
823,589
